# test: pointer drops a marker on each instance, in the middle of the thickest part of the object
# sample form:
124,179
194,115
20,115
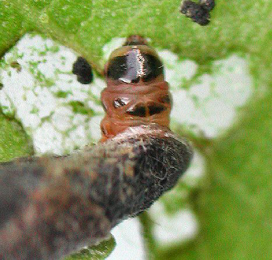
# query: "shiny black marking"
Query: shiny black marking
138,110
154,68
156,109
165,99
120,102
134,66
83,70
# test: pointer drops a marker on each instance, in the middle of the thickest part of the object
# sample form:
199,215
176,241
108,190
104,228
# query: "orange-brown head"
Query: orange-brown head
136,92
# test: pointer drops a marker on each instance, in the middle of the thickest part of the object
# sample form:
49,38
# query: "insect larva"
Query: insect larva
136,92
52,206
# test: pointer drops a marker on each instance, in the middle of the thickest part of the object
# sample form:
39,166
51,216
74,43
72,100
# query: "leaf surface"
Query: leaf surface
234,206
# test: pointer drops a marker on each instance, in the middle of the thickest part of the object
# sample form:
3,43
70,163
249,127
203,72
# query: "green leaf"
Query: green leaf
68,15
13,141
234,206
98,252
237,201
12,25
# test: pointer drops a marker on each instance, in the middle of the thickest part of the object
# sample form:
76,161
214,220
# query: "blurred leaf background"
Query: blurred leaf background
234,204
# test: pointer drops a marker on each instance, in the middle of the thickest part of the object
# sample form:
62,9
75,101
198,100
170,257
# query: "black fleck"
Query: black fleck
198,12
83,70
207,4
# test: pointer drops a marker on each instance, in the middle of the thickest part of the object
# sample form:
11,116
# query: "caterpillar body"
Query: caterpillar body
136,92
52,206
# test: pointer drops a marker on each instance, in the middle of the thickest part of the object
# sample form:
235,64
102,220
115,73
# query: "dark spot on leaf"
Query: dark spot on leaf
83,70
198,12
207,4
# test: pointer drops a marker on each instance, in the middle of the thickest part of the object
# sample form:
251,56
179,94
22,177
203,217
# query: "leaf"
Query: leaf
240,174
12,25
13,141
98,252
234,208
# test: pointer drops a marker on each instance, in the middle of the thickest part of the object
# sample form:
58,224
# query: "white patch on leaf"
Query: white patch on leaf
129,241
175,228
209,107
39,95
